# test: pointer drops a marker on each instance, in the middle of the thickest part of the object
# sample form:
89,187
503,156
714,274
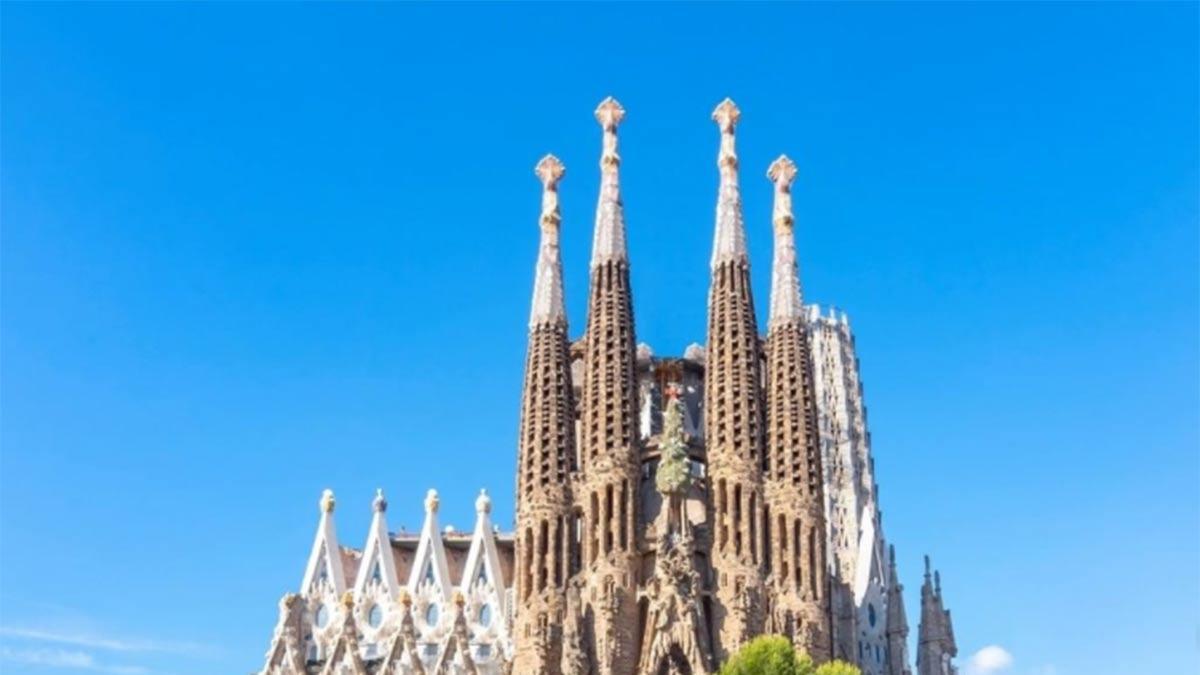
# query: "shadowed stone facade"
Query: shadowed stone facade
667,510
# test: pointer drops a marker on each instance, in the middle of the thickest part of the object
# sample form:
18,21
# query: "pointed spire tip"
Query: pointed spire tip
327,501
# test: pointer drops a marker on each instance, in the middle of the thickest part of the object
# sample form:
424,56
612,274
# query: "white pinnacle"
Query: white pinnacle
608,240
729,240
786,299
548,306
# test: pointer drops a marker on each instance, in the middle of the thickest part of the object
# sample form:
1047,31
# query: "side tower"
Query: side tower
897,621
795,519
733,415
607,494
936,648
546,455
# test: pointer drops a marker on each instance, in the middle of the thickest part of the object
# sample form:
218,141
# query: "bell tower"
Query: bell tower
610,445
733,414
795,518
546,455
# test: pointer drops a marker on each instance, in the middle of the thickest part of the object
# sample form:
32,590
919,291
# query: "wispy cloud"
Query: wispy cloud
990,659
109,643
64,658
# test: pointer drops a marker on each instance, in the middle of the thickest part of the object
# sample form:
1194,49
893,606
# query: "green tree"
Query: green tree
773,655
765,655
838,668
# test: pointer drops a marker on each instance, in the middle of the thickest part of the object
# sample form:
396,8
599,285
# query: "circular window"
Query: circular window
322,616
431,615
871,614
485,616
375,616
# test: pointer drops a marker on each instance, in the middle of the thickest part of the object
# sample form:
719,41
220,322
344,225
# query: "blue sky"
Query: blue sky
252,251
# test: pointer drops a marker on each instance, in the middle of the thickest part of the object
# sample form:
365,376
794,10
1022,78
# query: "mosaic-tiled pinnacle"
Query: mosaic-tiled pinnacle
608,242
787,303
729,240
548,305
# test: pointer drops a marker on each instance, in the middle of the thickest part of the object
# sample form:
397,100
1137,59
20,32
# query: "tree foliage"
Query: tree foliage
773,655
765,655
838,668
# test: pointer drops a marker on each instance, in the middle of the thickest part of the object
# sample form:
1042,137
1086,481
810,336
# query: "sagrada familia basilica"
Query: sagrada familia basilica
668,509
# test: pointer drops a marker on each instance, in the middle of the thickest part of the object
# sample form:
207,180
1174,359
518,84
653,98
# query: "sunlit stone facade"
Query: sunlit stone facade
668,509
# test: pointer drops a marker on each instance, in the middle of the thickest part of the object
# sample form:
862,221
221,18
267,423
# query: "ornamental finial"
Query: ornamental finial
726,115
483,503
405,598
431,501
327,501
550,171
348,599
782,173
609,113
379,504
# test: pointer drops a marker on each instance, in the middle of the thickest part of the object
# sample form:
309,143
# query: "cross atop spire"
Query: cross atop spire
548,304
729,242
608,242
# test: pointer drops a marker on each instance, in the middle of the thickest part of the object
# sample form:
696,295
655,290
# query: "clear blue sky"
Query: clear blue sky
252,251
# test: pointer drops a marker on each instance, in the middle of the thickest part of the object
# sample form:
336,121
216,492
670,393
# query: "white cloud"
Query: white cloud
990,659
94,641
63,658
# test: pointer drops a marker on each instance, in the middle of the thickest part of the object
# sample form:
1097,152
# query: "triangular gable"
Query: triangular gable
286,655
429,565
324,575
483,561
402,657
378,568
345,657
456,651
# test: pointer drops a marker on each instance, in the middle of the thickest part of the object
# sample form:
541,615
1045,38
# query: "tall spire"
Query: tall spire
786,296
936,647
897,621
548,306
608,242
609,443
545,446
792,468
733,414
729,241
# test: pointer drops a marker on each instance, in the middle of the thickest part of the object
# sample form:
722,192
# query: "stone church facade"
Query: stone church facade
669,509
